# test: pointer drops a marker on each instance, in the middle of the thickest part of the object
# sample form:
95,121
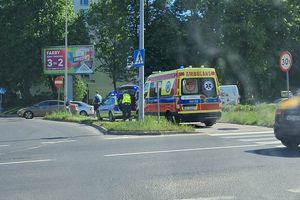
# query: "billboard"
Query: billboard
80,59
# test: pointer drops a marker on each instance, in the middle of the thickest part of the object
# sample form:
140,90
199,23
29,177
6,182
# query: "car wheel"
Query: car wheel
210,122
111,117
28,115
290,144
83,113
170,117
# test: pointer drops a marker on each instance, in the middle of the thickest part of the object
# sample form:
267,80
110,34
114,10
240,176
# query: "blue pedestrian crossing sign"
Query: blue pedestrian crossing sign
138,58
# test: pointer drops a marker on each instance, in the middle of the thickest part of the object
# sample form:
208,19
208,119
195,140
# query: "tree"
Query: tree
107,23
27,27
80,88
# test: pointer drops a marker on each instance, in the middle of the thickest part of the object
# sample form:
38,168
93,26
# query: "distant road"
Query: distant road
56,160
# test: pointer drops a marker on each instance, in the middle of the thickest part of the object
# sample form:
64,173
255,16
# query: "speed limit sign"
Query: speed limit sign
286,61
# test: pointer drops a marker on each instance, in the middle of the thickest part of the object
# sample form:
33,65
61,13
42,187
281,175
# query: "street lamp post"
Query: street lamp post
66,57
141,69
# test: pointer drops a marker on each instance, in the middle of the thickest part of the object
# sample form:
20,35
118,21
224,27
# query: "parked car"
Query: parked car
110,109
48,106
287,122
229,94
84,108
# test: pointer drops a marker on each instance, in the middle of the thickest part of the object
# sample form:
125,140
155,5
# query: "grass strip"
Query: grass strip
260,114
149,124
68,117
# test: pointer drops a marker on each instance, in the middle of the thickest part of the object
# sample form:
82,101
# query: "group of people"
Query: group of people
125,103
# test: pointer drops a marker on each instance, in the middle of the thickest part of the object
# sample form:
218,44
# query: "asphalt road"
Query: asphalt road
55,160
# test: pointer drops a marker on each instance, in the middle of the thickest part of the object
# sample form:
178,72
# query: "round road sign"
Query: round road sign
59,82
286,61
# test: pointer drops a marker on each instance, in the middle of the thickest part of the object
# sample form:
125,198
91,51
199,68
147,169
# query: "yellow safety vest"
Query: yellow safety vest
126,98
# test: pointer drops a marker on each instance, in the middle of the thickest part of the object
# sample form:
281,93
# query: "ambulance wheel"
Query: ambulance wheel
210,122
170,117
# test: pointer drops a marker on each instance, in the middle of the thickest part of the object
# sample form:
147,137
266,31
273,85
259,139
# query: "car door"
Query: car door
55,106
106,107
40,109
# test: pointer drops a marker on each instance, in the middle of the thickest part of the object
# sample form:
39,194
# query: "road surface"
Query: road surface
55,160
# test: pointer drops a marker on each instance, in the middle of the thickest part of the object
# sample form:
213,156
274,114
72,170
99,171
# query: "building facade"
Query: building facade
82,4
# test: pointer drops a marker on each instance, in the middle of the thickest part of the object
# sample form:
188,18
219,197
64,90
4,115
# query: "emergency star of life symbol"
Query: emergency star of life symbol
138,58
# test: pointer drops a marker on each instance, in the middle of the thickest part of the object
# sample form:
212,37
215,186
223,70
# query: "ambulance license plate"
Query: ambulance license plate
189,107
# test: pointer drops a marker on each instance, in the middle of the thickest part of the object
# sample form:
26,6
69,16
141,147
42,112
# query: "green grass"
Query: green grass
149,124
260,114
66,116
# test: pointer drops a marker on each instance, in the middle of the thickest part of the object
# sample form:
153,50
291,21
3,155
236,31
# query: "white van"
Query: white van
229,94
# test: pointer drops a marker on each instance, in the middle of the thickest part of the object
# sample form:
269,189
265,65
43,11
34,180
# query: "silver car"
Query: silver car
110,109
48,106
84,108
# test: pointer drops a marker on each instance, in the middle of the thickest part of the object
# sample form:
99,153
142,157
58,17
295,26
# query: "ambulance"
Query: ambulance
184,95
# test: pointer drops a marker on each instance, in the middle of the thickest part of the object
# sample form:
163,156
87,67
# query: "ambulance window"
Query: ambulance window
208,87
152,90
190,86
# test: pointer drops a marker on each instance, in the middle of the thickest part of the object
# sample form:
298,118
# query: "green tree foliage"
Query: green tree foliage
242,39
80,88
26,27
108,26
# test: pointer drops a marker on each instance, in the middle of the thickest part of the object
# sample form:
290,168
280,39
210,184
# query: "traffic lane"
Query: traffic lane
82,167
198,174
18,134
234,173
20,130
228,127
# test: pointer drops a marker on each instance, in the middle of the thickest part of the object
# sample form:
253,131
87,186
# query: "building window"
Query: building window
84,2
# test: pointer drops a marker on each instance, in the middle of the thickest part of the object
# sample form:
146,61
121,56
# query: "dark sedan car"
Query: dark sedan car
287,122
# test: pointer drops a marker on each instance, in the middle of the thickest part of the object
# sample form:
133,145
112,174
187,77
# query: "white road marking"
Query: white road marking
180,150
271,142
294,190
248,136
3,145
212,198
151,136
25,162
60,141
257,139
239,133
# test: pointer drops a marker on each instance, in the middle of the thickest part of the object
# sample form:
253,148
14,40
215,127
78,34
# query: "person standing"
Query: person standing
126,105
96,102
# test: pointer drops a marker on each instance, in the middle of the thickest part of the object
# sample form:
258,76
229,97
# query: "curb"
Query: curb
137,133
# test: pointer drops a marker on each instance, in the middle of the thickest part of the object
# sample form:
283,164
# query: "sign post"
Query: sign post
141,69
285,64
58,84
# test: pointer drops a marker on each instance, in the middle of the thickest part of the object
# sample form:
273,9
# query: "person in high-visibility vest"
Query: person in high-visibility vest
126,105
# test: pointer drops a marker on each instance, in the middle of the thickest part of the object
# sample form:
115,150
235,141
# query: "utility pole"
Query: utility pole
141,69
66,57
